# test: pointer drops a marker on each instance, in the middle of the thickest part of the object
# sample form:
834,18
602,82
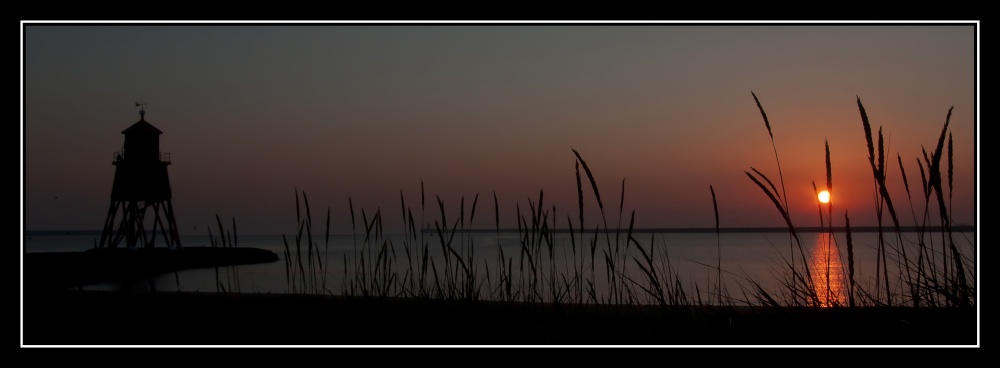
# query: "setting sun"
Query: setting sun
824,197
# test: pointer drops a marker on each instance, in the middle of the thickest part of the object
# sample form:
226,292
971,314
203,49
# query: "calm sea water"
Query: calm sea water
692,258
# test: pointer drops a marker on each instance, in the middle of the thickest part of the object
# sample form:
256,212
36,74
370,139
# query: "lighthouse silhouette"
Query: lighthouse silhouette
141,188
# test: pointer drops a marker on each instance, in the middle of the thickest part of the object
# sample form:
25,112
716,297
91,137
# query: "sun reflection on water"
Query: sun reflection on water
828,272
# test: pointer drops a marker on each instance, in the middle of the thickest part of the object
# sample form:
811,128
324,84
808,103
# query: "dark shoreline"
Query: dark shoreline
67,317
60,270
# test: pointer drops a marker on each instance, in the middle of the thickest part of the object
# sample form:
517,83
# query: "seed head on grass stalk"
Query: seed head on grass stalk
402,207
883,190
593,183
934,170
600,205
882,196
298,216
962,282
774,147
774,199
923,178
783,198
906,185
472,212
792,232
829,183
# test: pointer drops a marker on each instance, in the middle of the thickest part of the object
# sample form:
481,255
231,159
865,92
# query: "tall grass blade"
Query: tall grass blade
868,134
579,194
763,115
472,213
951,170
326,246
829,182
923,179
773,189
718,243
777,204
906,183
850,260
593,183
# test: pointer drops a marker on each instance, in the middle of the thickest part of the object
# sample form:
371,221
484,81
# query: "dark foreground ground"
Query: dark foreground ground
119,318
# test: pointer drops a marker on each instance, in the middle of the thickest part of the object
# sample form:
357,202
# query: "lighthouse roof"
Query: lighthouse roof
142,127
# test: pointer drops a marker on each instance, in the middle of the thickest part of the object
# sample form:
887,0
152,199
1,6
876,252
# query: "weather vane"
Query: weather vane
142,107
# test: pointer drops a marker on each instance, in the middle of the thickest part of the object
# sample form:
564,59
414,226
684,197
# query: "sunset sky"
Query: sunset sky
250,113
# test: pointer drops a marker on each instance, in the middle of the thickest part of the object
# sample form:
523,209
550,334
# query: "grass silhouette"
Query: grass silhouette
605,265
606,287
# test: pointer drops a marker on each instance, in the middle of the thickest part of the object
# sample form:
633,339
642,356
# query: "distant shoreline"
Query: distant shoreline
696,230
